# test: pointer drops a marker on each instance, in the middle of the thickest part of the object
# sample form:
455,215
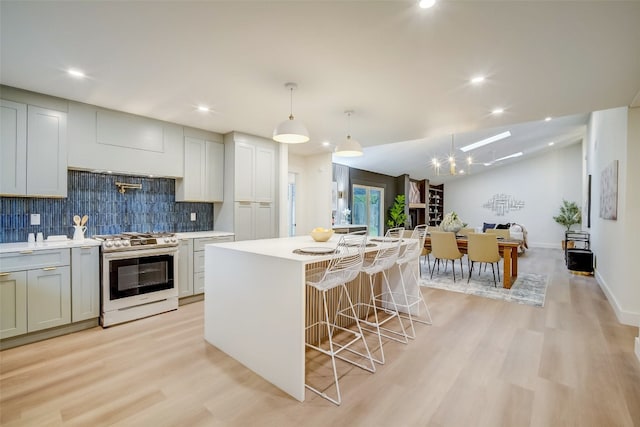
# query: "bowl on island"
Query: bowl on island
320,234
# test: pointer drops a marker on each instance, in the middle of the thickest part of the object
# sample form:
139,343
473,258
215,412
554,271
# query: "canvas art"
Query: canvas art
609,191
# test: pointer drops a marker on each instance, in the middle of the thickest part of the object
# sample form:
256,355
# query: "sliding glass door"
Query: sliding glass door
368,208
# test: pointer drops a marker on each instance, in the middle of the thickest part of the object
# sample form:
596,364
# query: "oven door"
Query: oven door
138,277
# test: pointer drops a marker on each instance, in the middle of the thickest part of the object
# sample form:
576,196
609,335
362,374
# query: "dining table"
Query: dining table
508,249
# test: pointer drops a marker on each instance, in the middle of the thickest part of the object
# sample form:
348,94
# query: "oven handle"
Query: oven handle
139,253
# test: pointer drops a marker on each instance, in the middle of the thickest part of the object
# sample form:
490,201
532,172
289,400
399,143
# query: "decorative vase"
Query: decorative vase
452,228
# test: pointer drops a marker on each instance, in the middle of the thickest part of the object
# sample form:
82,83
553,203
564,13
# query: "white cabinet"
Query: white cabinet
13,145
34,160
185,268
85,283
250,180
36,290
203,171
255,173
13,304
254,220
191,263
49,298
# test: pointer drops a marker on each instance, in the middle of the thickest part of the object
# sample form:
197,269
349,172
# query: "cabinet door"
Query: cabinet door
265,167
49,298
215,171
244,172
244,221
46,152
13,304
85,283
198,272
185,268
194,184
264,220
13,145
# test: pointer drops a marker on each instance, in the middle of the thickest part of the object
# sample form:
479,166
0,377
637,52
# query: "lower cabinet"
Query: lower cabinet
49,298
13,304
185,268
85,283
191,263
48,288
254,220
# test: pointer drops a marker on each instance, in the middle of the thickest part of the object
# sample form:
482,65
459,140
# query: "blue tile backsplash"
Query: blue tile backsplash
152,208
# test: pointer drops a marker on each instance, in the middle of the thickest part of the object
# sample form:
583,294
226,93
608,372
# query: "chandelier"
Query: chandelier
450,160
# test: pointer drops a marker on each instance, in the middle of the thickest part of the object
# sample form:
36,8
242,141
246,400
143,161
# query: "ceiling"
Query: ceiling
403,70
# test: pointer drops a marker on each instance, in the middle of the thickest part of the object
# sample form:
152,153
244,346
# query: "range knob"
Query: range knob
174,239
126,243
108,244
117,243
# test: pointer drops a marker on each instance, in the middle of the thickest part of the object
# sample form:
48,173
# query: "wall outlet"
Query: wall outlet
193,216
35,219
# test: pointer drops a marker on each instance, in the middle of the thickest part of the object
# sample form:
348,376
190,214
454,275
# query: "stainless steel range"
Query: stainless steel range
138,276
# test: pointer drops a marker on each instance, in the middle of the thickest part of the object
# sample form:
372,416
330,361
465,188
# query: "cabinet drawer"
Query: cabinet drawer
29,260
198,244
198,262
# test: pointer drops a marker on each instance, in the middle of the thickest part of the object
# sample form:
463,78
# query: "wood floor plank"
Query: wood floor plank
482,363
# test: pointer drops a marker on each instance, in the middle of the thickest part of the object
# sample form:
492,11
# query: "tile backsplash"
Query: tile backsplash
152,208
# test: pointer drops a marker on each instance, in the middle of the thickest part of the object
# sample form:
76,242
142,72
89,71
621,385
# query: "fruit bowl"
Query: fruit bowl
321,234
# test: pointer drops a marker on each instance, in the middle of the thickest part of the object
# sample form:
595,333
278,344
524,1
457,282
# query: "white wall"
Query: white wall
540,182
313,191
615,135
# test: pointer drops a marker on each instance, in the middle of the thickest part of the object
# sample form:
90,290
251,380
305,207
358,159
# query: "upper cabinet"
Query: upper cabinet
33,141
255,172
203,171
107,140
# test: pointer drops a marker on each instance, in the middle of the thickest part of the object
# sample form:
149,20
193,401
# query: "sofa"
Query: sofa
516,232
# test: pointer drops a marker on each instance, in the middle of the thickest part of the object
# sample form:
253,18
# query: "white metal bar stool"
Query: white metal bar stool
411,300
381,306
344,266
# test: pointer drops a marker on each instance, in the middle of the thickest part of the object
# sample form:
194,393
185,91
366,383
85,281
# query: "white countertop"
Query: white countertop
24,246
283,247
349,226
200,234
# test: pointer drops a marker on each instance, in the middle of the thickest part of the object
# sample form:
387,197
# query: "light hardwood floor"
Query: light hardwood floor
482,363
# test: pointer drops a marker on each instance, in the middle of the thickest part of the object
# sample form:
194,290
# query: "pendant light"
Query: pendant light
350,147
291,131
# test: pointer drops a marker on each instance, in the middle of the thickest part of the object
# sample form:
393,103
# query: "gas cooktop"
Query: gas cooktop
133,241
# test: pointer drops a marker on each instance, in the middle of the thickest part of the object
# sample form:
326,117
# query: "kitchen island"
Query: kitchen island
255,300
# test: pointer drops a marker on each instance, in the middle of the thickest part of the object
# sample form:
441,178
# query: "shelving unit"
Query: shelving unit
418,203
436,204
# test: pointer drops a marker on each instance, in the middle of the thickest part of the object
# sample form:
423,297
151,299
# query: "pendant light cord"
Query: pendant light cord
291,105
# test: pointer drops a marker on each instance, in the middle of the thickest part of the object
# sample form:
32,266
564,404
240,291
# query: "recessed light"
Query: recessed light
547,119
203,108
477,80
109,171
461,172
426,4
551,143
498,111
325,144
76,73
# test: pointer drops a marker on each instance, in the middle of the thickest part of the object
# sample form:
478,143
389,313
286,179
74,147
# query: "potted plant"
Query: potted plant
452,222
397,215
570,214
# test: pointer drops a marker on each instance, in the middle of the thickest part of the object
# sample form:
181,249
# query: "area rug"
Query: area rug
529,288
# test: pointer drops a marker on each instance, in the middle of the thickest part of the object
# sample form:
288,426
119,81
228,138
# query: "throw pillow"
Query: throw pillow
503,226
485,226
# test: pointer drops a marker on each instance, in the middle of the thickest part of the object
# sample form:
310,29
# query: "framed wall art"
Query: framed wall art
609,191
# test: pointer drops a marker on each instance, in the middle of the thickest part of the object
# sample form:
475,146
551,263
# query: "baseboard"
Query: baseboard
47,333
638,348
625,317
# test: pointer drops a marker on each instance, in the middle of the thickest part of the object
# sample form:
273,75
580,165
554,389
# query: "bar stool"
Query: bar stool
412,300
344,266
382,305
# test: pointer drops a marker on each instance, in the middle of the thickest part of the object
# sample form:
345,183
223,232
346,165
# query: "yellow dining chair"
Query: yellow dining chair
483,247
444,246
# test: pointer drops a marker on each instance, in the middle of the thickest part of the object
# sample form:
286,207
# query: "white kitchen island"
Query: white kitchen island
255,305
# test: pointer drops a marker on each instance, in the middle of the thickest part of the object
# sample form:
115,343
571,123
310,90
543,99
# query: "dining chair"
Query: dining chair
483,247
445,247
380,307
343,267
411,300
